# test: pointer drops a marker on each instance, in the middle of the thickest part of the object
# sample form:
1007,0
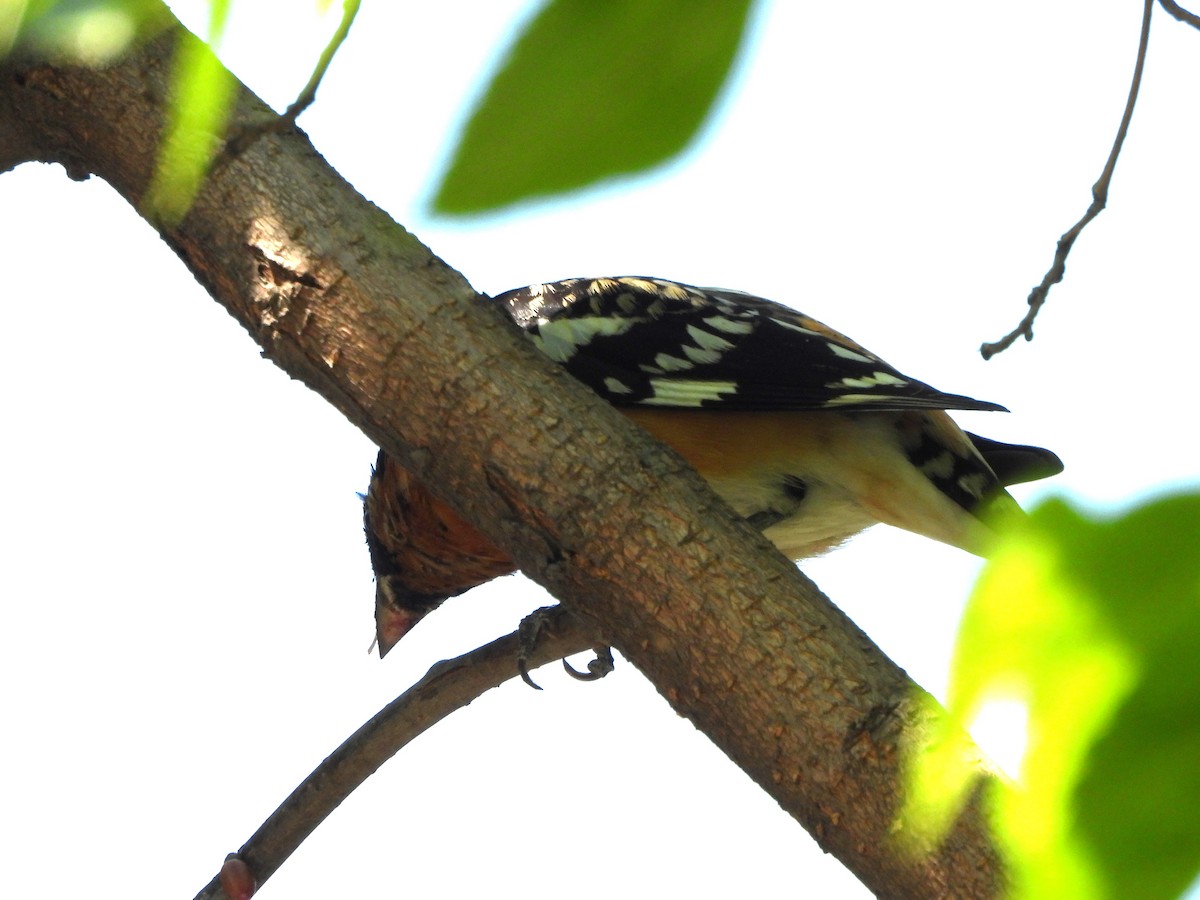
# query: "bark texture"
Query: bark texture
351,304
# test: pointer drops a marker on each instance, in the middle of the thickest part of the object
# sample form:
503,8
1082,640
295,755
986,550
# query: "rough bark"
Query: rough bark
347,301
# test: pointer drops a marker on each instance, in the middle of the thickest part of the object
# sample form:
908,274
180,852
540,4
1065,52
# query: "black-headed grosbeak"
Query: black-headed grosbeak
808,435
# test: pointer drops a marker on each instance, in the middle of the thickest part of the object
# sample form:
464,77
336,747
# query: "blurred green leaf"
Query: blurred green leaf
1093,625
1138,804
91,32
591,90
203,94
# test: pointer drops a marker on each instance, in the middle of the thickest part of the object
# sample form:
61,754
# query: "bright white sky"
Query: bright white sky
188,600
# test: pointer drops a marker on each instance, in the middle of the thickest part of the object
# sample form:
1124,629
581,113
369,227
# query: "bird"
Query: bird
806,434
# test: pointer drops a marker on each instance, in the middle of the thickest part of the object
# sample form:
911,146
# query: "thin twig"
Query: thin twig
309,94
243,138
1037,296
1174,9
447,686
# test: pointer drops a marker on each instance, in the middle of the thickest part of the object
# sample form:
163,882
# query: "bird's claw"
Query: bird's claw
530,631
596,668
523,668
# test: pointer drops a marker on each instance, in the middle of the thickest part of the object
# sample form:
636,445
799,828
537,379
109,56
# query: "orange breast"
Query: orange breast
725,443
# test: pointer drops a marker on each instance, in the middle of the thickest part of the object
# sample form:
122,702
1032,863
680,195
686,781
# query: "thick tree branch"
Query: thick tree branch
348,302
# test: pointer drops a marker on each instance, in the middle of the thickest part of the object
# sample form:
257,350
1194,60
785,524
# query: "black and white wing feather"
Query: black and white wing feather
647,341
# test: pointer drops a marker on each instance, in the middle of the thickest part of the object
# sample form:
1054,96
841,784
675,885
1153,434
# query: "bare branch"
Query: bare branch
1037,296
447,686
1174,9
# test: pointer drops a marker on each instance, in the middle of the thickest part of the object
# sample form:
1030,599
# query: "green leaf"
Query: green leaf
592,90
1093,627
91,32
1138,803
203,96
